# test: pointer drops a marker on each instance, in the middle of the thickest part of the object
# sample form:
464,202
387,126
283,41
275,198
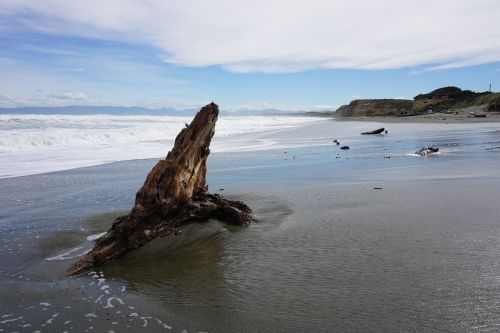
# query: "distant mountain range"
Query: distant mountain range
89,110
136,110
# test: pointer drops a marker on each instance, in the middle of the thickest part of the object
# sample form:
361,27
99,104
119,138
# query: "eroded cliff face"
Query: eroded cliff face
376,107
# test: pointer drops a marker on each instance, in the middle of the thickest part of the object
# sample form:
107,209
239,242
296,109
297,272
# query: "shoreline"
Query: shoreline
334,224
458,116
304,137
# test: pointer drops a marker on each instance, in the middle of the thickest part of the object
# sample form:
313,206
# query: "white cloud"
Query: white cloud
285,35
281,107
57,99
8,102
70,96
79,98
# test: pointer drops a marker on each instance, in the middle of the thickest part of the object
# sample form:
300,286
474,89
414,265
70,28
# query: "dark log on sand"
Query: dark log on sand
174,194
377,131
426,151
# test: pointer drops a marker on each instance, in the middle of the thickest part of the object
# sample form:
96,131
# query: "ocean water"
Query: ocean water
367,239
31,144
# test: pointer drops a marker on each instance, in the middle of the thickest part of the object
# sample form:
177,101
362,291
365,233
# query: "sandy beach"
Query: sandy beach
371,238
229,166
465,115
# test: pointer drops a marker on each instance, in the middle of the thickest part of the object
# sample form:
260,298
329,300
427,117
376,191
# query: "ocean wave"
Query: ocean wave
24,132
31,144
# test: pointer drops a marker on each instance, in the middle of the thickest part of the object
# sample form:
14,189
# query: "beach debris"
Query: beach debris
377,131
174,194
337,142
345,148
378,188
427,151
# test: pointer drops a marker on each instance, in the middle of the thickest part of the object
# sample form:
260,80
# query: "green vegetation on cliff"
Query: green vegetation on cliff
446,98
452,98
376,107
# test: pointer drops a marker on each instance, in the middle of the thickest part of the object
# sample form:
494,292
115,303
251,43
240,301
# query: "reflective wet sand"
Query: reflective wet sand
331,251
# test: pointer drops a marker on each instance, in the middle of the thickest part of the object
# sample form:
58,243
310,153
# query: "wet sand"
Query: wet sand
331,253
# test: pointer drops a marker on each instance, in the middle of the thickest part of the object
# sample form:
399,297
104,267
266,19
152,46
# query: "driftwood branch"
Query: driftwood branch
174,193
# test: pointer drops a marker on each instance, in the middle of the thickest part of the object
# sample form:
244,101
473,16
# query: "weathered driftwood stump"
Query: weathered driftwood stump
174,194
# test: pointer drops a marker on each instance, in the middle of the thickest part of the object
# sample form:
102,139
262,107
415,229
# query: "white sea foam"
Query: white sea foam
68,254
31,144
10,320
109,302
96,236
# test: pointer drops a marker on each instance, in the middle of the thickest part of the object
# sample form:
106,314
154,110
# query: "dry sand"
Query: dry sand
465,115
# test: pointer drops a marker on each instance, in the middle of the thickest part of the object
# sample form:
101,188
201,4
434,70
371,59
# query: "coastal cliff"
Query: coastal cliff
451,98
442,99
375,107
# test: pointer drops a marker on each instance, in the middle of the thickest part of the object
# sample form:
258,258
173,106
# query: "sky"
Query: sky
290,55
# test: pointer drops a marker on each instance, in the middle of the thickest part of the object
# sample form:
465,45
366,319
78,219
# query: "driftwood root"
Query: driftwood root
174,194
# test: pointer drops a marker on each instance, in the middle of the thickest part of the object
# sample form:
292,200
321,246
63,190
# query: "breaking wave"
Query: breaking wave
31,144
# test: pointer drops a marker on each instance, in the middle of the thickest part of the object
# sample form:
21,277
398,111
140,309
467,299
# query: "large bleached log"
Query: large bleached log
174,193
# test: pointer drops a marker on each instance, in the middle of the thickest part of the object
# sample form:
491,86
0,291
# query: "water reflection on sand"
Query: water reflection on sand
331,252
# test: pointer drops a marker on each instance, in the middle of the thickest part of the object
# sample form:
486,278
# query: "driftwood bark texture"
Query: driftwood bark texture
174,193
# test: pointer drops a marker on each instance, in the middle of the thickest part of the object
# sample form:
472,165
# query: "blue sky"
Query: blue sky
291,55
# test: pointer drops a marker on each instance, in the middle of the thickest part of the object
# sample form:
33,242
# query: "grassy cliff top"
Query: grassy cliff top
446,98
